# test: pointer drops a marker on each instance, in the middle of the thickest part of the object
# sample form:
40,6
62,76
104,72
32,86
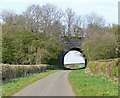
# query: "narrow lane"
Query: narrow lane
53,85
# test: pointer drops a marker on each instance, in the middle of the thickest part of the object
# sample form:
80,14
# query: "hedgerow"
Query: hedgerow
14,71
104,67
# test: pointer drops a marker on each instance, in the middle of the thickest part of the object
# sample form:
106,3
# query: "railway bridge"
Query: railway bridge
71,53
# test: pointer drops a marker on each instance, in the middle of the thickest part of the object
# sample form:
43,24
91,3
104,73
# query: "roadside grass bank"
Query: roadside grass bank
85,84
74,66
12,86
108,68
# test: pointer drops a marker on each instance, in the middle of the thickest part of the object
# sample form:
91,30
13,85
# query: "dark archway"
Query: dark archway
60,61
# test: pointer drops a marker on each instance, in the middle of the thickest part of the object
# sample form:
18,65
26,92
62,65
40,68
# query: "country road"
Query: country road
53,85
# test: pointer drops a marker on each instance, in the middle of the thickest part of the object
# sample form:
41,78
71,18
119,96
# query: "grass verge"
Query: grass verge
11,87
74,66
84,84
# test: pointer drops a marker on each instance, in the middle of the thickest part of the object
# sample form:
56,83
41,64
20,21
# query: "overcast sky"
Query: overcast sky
108,9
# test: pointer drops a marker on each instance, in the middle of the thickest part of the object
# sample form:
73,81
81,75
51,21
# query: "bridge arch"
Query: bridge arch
63,53
69,46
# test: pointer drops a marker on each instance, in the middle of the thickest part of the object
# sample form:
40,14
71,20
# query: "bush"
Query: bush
93,68
104,67
14,71
7,72
89,66
115,68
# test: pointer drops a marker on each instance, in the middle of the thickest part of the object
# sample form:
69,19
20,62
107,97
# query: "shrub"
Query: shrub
89,66
115,68
93,68
14,71
103,68
6,72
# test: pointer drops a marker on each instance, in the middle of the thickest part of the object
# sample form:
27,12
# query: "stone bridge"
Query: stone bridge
69,45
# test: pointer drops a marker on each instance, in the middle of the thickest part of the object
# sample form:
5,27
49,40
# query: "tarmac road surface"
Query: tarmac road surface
53,85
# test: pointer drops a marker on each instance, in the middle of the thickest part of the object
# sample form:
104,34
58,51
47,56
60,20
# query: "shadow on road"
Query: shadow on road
74,68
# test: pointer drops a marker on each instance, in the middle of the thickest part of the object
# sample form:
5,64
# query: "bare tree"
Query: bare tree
69,18
50,15
42,18
94,19
78,26
33,16
8,16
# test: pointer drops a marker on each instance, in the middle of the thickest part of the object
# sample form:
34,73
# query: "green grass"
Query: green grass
84,84
11,87
75,66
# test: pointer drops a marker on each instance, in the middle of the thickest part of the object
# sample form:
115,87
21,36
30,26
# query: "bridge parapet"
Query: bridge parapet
67,45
